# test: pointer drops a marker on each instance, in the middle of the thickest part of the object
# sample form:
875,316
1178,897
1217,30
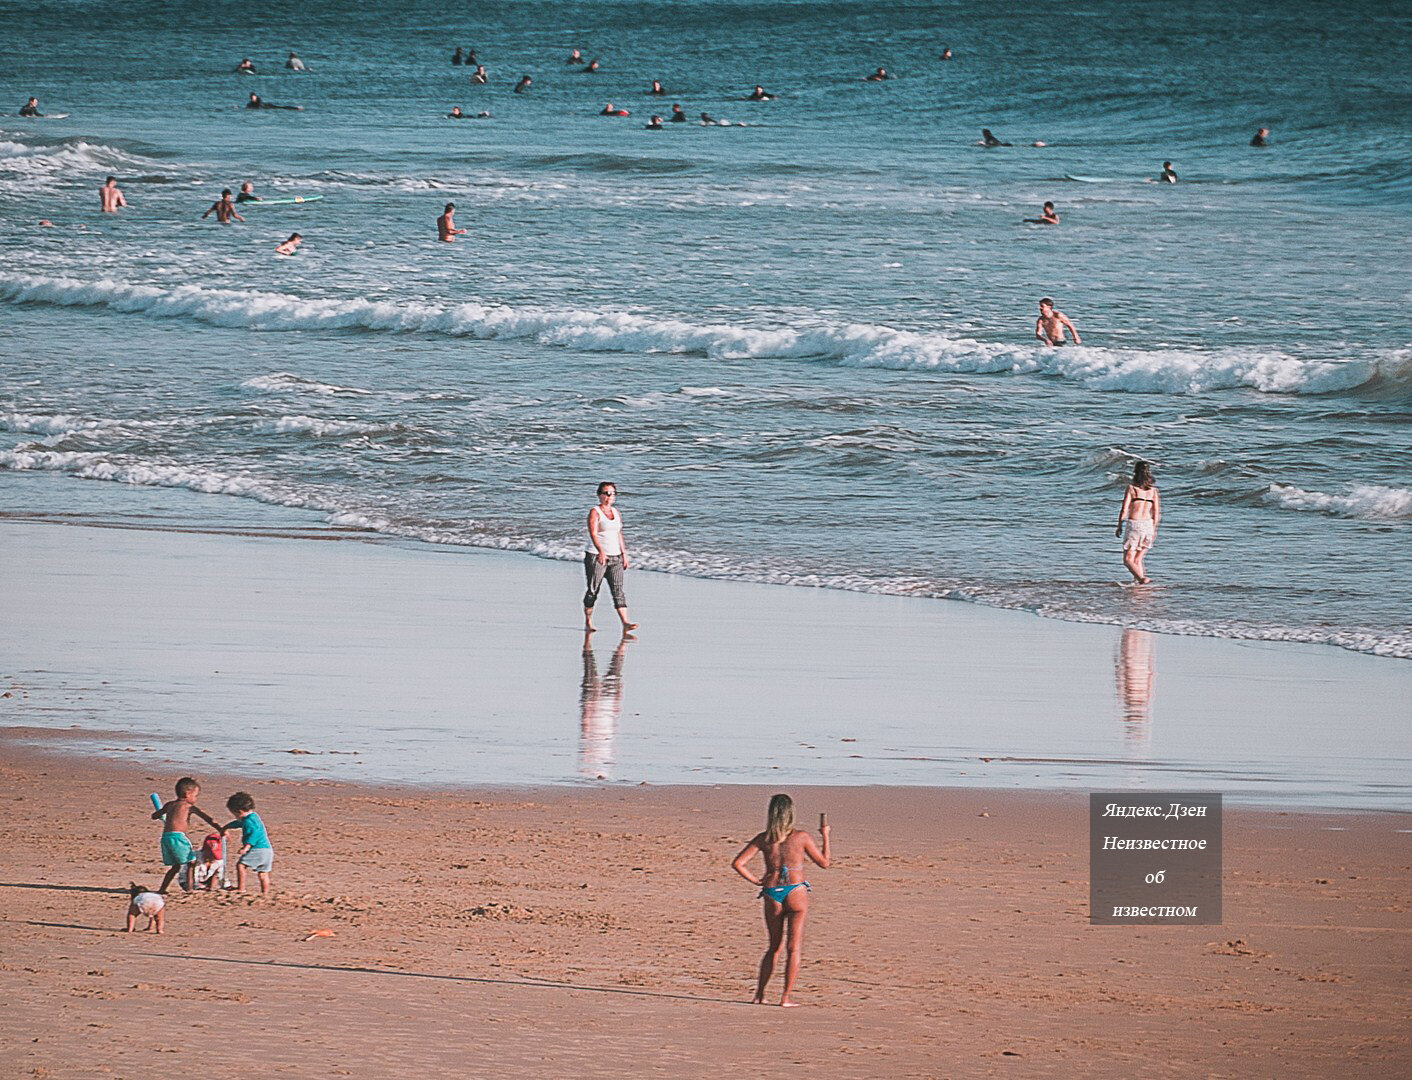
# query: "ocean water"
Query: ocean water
802,347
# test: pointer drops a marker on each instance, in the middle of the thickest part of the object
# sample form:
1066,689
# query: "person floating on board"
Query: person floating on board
256,102
1169,175
247,193
759,94
1047,216
655,124
245,67
295,64
988,140
456,113
31,108
880,75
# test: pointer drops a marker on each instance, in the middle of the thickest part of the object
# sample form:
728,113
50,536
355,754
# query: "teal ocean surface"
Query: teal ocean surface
801,344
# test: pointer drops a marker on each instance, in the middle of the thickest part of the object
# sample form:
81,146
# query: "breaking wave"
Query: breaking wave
1158,370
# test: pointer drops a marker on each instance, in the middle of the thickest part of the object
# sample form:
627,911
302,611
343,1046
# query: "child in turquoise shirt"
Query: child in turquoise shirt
255,851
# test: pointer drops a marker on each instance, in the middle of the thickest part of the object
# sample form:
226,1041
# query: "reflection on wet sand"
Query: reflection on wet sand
1135,672
600,705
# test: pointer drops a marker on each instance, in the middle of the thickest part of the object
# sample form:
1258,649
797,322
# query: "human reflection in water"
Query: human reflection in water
1135,671
600,705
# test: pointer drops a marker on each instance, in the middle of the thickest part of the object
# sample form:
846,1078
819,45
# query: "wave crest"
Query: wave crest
1157,370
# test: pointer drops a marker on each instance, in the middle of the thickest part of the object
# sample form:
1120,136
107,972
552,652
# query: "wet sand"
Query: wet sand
599,932
394,662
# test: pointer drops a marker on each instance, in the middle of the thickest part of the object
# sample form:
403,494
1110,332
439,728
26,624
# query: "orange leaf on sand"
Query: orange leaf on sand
319,933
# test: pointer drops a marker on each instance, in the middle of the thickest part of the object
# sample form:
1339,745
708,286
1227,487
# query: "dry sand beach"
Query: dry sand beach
599,932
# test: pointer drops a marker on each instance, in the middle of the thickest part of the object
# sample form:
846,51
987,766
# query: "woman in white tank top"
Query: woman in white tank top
605,556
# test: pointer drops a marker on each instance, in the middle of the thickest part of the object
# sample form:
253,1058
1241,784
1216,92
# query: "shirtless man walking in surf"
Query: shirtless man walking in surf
1051,324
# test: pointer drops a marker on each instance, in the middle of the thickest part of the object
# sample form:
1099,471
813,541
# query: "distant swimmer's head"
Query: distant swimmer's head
295,236
1049,208
247,186
225,193
32,101
779,819
254,97
449,208
1166,164
1142,475
455,111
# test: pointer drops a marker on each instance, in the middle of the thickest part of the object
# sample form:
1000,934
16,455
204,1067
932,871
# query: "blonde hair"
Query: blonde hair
779,822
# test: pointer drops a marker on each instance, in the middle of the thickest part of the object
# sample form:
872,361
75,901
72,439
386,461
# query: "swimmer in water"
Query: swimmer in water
256,102
1047,216
608,110
678,117
224,209
290,246
1169,175
31,108
478,76
1261,137
109,197
245,67
758,94
457,57
470,58
655,124
946,53
988,140
592,68
1051,324
446,225
294,63
656,89
880,75
523,84
247,193
575,57
456,113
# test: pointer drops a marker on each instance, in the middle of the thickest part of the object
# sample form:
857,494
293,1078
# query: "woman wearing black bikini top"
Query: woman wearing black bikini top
1138,520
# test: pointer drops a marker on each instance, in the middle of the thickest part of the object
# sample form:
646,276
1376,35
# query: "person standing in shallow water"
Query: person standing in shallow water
605,556
1138,519
783,888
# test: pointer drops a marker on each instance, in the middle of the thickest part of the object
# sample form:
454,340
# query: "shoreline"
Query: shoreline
387,661
545,920
328,528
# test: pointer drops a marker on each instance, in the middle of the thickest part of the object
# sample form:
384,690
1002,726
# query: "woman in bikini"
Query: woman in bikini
1138,520
783,888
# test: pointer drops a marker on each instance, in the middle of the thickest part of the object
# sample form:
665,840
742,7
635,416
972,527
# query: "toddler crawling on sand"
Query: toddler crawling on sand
142,901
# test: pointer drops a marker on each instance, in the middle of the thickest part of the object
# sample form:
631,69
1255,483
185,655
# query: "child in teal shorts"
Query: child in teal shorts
177,852
255,850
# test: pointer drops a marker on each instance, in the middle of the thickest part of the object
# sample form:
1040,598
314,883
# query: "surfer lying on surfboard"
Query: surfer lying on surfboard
1047,216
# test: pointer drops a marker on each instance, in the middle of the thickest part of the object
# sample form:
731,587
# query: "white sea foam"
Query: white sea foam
1372,502
69,158
285,382
322,428
1156,370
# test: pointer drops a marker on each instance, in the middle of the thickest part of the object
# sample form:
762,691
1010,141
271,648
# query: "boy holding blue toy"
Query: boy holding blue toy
177,852
255,851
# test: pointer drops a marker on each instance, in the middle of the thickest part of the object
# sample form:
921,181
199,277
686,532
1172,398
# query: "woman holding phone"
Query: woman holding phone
783,888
